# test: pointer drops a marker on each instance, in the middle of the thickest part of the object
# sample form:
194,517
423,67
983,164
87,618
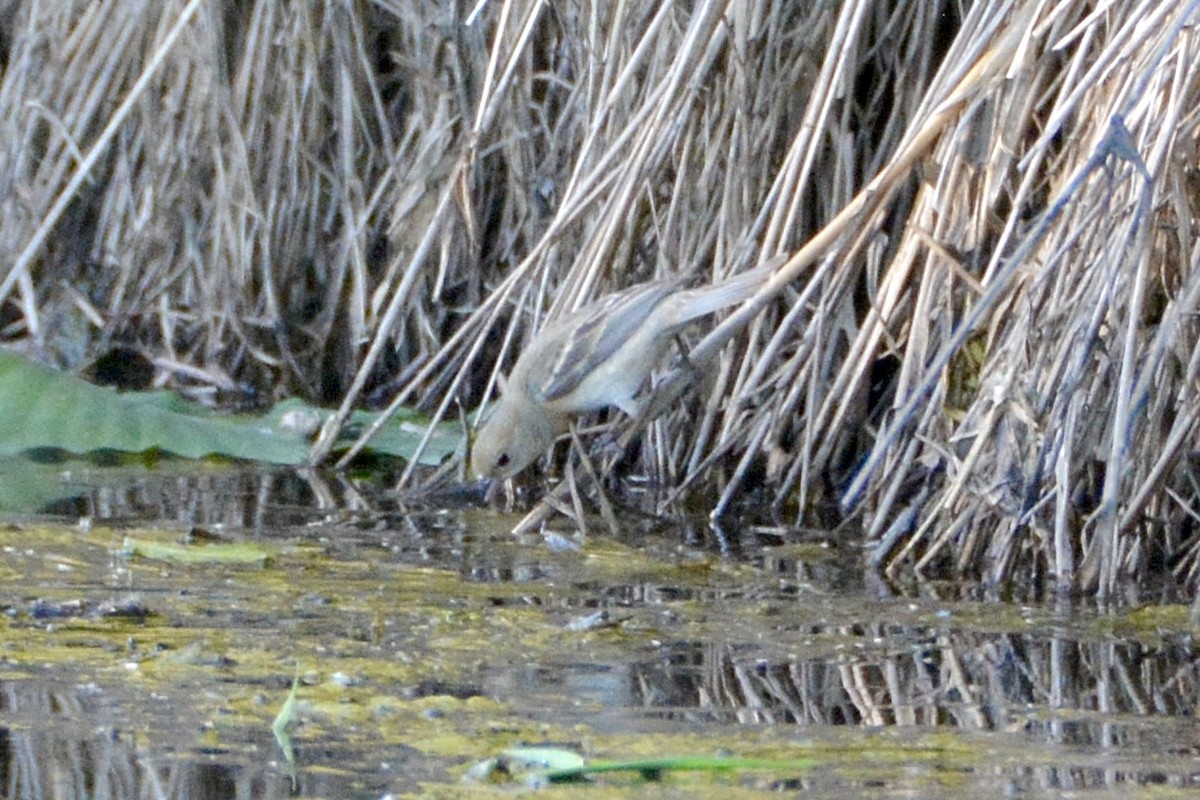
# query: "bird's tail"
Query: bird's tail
702,300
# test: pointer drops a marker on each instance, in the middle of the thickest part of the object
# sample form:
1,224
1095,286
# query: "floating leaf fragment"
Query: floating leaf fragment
235,553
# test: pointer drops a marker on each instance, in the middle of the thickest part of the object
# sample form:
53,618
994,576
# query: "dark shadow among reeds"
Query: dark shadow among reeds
987,348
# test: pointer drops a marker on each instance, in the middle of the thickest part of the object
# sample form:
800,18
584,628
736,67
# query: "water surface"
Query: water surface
428,640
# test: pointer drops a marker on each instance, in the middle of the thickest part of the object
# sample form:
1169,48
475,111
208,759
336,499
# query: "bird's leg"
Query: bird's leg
684,360
610,449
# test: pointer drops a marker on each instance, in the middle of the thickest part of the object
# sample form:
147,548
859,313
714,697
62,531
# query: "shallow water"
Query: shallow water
427,641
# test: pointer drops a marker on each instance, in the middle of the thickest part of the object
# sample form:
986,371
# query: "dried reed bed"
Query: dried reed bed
983,346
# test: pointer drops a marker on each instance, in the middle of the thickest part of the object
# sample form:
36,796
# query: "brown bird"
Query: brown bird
595,357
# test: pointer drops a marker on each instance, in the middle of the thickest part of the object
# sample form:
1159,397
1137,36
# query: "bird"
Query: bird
595,357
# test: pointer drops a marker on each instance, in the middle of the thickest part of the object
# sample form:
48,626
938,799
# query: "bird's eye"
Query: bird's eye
503,460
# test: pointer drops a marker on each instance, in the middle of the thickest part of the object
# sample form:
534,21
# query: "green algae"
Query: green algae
409,656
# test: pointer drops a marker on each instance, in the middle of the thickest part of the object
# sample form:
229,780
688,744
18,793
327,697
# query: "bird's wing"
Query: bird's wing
579,342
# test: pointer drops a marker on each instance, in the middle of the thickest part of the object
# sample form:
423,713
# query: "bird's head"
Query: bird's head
511,438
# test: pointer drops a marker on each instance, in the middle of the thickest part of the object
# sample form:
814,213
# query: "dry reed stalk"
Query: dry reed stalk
1012,494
